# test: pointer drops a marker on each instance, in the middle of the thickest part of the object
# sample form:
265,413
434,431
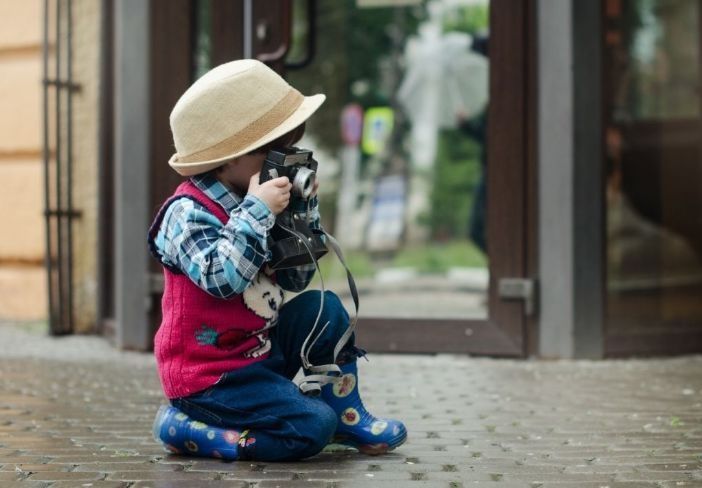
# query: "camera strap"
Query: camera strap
311,384
354,294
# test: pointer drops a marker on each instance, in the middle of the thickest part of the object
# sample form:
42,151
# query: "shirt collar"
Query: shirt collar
217,191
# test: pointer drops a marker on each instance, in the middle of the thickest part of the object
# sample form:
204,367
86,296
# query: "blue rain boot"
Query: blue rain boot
357,427
182,435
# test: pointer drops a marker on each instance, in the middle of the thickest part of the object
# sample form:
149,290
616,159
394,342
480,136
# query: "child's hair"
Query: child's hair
287,139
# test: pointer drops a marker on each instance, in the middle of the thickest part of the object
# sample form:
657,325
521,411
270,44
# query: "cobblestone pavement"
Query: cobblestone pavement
74,412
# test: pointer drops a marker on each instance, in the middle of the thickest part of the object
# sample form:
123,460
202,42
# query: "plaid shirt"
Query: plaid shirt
224,259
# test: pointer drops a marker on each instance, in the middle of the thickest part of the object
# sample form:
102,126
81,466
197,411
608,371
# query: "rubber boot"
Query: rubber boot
357,427
182,435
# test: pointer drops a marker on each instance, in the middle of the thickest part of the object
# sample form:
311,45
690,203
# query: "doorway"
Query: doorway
427,182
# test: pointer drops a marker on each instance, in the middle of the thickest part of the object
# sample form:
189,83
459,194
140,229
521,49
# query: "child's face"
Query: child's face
238,172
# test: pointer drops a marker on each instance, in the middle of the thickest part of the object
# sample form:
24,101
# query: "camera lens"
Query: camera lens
303,183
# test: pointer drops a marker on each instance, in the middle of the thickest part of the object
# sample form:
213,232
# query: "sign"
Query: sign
387,215
352,124
377,127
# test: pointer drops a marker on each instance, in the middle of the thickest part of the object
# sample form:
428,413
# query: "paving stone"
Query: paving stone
114,467
191,484
34,468
99,484
425,484
236,474
88,458
21,459
581,484
159,475
560,477
671,467
69,451
67,476
25,484
497,423
12,475
654,476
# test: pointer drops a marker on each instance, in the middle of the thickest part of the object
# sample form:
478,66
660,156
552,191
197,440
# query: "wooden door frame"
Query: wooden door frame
511,207
172,24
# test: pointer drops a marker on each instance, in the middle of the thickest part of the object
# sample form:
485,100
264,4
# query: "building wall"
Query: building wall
86,73
22,276
23,293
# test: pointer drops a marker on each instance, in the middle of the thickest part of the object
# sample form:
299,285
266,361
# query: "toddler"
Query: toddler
229,345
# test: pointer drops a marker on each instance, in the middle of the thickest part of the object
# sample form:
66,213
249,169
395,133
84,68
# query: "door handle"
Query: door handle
283,48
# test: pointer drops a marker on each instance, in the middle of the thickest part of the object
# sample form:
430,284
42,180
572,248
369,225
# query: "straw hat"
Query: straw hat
232,110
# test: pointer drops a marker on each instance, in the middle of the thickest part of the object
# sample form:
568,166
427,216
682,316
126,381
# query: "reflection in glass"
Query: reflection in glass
654,237
655,59
202,37
401,146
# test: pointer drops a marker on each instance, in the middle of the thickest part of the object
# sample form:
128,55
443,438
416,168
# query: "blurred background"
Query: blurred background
506,178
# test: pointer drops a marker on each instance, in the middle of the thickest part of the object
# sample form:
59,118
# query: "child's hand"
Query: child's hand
274,193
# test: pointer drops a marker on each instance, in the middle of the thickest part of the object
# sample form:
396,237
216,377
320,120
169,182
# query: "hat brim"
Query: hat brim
308,106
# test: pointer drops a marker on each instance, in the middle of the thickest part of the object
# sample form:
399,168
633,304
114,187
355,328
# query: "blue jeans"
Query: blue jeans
283,423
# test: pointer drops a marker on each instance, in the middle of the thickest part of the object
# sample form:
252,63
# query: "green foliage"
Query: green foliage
359,263
202,49
471,19
357,60
432,258
457,172
676,422
439,257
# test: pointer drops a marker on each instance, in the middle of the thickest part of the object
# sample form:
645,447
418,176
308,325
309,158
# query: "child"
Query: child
228,346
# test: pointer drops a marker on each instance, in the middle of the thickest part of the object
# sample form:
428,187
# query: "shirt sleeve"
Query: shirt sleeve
297,279
221,259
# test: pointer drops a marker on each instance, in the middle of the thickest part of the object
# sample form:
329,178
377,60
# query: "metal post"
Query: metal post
46,158
132,154
105,179
555,136
57,327
248,29
569,168
69,215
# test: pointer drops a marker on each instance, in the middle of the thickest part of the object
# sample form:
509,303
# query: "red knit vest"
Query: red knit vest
201,337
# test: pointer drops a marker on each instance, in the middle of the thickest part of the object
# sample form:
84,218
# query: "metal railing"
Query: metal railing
58,172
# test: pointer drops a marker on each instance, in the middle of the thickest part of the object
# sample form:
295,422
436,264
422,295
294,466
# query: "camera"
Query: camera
297,164
291,241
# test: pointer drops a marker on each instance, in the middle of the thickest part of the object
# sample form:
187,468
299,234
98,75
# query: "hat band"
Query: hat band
251,133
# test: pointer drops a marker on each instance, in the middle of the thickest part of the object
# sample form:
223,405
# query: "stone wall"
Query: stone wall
23,294
22,276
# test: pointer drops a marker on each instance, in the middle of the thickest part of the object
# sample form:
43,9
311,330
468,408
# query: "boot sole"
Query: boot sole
373,449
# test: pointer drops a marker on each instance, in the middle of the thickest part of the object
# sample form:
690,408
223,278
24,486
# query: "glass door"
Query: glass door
422,171
652,136
402,148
